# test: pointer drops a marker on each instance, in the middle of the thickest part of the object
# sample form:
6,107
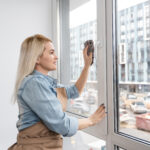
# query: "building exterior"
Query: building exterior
78,36
134,43
134,47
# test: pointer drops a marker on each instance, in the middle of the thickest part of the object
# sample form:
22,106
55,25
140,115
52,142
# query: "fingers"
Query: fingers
87,57
85,50
100,111
85,53
98,115
90,55
100,108
102,114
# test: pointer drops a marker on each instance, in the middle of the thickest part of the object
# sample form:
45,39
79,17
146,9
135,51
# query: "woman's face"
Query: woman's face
48,60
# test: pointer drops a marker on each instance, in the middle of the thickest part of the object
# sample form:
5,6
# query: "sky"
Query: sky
87,11
83,14
122,4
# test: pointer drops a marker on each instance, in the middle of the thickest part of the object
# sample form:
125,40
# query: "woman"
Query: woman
41,100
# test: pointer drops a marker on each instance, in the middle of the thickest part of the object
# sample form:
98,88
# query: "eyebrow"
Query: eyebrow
52,50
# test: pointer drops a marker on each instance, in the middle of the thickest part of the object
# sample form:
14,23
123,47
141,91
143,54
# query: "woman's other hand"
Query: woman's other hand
98,115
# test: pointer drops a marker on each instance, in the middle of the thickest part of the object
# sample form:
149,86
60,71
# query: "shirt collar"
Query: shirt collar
52,80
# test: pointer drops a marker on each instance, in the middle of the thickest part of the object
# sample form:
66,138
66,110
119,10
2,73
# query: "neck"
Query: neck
43,71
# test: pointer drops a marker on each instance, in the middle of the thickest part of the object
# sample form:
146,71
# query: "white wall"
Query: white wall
18,19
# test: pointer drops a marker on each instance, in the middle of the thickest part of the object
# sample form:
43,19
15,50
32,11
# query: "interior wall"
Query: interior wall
18,20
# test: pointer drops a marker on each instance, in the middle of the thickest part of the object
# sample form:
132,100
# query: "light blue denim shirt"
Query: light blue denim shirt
37,101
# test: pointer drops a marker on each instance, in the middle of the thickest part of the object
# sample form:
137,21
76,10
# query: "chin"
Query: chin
52,69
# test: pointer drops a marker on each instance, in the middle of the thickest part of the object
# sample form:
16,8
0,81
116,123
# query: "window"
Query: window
84,28
128,95
147,22
122,28
140,33
140,13
140,23
122,54
131,114
147,8
81,21
114,80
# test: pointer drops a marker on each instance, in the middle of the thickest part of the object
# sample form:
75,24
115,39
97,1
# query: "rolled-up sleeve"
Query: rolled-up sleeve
72,91
42,100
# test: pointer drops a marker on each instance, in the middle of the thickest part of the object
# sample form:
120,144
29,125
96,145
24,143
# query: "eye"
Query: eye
52,52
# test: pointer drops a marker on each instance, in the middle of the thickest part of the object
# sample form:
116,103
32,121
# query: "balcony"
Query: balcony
130,60
122,41
132,20
141,49
142,60
132,71
123,79
148,70
122,33
140,38
140,80
140,71
130,50
122,72
148,35
148,59
122,23
132,40
139,18
148,49
140,28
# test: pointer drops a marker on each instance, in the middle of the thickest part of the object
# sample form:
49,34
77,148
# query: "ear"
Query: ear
38,60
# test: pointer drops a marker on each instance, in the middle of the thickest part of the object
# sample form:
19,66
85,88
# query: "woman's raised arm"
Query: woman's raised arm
80,83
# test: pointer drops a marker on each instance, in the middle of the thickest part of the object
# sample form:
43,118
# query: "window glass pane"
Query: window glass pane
133,21
83,141
83,21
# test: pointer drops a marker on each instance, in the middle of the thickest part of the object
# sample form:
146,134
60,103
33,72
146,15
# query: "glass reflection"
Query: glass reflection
83,21
134,67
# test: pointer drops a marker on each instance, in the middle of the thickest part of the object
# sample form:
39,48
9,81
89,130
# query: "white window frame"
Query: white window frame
100,130
113,138
107,86
55,34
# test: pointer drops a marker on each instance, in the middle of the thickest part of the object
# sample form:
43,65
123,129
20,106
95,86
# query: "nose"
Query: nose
56,57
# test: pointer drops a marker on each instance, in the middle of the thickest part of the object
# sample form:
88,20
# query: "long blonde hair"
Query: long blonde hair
31,49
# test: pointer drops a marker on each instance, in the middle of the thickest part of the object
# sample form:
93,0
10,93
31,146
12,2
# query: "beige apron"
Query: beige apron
38,136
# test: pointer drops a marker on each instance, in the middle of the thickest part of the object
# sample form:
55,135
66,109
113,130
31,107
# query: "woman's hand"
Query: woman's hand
93,119
87,59
98,115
